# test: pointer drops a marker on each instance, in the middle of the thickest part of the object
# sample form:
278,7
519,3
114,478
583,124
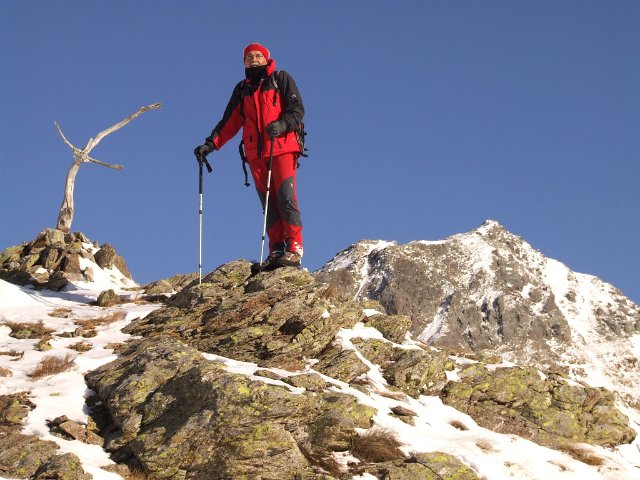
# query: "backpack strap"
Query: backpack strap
244,163
242,88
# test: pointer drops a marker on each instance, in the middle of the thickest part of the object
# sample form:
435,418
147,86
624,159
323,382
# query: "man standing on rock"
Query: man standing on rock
268,106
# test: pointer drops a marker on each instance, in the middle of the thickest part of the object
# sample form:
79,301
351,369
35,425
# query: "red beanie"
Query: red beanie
258,47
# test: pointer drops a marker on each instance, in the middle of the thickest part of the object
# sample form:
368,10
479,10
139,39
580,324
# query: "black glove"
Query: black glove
276,128
201,151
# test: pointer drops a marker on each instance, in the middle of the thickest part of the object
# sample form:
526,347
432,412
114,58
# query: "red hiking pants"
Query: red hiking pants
284,225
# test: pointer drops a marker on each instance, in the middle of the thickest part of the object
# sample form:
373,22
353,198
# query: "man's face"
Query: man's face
254,58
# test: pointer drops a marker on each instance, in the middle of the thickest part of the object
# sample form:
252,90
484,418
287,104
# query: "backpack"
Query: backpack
300,135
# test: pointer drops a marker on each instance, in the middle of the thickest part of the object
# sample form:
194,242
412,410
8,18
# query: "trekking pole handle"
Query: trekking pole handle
203,160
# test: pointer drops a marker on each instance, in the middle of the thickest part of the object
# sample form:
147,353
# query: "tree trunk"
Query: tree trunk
65,217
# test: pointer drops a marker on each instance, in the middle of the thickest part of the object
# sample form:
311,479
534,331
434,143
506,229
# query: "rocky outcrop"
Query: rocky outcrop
274,320
179,402
426,466
55,258
545,409
183,416
27,456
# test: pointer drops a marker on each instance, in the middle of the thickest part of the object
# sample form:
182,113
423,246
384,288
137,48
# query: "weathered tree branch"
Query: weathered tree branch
65,138
104,164
65,217
94,141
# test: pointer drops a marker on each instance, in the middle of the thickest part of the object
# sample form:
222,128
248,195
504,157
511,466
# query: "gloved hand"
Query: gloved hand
201,151
276,128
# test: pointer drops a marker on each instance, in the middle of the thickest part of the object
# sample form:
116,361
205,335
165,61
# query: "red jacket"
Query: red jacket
253,105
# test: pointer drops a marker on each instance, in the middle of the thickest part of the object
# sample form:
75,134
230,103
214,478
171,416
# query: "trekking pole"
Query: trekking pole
266,204
201,159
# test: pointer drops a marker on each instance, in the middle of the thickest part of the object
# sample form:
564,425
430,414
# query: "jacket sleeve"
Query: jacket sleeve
231,121
292,107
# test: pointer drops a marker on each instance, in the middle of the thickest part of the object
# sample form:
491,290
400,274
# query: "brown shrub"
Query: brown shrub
394,394
322,458
5,372
582,453
458,424
60,313
13,353
328,292
376,445
100,321
81,346
51,365
28,330
485,446
136,475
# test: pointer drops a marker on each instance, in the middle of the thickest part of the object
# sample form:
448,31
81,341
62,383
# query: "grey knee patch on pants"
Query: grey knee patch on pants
288,203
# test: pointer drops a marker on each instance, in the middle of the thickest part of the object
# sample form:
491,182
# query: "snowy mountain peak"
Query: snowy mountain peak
488,290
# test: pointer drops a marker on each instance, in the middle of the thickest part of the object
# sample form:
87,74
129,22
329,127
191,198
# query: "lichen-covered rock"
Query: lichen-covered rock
180,413
392,327
275,319
108,298
414,371
22,455
107,257
423,466
14,408
71,430
546,410
341,364
55,238
62,467
27,456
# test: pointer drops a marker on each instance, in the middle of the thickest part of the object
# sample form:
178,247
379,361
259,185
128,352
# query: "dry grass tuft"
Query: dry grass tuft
393,394
28,330
108,319
60,313
13,353
137,475
322,458
582,453
81,346
562,467
485,446
328,292
376,445
5,372
458,424
51,365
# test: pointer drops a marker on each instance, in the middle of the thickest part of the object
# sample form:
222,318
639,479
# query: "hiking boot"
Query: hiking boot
288,259
268,264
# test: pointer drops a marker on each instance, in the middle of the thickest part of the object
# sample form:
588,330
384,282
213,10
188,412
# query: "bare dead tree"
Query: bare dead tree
65,217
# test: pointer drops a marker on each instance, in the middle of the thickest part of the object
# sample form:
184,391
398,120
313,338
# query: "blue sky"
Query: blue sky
425,118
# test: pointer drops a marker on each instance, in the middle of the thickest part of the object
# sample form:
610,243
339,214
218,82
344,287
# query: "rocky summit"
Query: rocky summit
281,375
55,258
488,291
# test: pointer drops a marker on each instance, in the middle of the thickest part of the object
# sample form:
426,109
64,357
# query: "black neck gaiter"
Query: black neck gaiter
255,74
